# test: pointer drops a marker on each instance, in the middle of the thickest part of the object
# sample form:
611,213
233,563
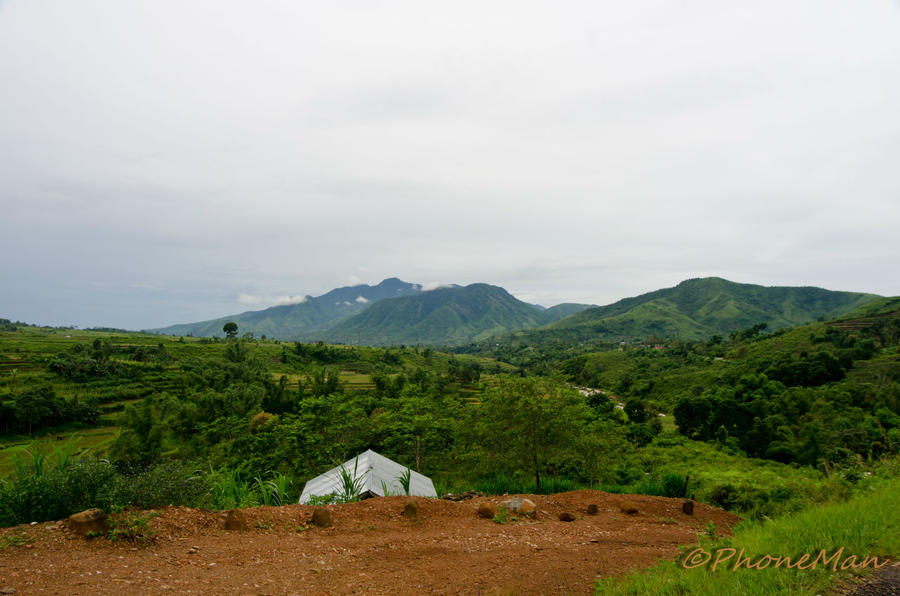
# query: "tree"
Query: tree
530,424
230,328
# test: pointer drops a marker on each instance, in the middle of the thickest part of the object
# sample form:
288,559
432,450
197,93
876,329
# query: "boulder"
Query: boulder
91,520
235,521
519,506
486,511
628,507
565,516
321,517
411,511
592,509
687,507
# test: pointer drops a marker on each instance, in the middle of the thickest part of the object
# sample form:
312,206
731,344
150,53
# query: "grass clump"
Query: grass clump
133,527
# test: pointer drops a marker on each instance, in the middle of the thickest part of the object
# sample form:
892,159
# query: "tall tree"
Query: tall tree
529,424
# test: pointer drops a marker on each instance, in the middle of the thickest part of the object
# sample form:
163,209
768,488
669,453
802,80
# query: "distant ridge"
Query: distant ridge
397,312
292,321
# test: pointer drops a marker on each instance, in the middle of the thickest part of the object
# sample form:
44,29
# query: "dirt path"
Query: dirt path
371,549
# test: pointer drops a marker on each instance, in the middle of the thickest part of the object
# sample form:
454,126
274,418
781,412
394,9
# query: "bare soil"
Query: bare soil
371,549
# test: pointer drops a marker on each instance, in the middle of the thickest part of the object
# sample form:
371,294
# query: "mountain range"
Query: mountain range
397,312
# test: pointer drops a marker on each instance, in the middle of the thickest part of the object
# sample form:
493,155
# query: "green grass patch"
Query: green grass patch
866,525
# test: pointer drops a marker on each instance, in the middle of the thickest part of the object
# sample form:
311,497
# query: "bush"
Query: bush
43,495
166,483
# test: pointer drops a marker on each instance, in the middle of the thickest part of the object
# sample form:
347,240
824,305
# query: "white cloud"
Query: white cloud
362,299
282,300
434,285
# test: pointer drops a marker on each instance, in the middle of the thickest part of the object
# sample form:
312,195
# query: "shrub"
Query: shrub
166,483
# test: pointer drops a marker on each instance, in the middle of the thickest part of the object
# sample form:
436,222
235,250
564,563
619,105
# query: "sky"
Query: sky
175,161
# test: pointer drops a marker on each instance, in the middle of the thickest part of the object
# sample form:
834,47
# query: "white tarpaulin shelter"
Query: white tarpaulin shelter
374,473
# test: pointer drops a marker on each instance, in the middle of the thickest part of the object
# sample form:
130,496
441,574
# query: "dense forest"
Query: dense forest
763,422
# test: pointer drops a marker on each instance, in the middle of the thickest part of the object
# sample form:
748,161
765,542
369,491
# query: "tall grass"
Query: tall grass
405,479
351,483
502,484
275,491
229,491
866,525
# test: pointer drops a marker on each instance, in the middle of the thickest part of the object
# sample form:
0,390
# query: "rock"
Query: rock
687,507
592,509
91,520
519,506
469,494
565,516
486,511
628,508
7,590
321,517
235,521
411,511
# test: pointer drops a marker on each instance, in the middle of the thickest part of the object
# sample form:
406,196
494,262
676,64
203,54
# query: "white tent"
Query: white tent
374,473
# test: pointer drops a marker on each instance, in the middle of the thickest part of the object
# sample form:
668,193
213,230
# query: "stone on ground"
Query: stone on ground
321,517
235,521
566,517
486,511
519,506
91,520
628,507
411,511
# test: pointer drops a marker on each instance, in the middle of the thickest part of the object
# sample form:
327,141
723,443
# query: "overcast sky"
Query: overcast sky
172,161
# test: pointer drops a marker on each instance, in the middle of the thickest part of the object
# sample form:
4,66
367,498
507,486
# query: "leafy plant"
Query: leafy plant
11,540
273,492
405,479
132,528
230,492
386,490
329,499
351,483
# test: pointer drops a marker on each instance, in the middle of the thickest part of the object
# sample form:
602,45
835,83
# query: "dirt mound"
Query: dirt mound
370,549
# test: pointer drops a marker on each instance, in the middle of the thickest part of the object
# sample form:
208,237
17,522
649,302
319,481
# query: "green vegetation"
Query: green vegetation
774,425
699,308
694,310
447,316
132,527
864,526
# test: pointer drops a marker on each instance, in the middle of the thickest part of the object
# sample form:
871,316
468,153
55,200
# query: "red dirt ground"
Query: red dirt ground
371,549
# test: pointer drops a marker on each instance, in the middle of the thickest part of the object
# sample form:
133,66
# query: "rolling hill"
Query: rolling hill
700,308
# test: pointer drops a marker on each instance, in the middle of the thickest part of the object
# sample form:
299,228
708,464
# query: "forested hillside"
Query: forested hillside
699,308
445,316
760,421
